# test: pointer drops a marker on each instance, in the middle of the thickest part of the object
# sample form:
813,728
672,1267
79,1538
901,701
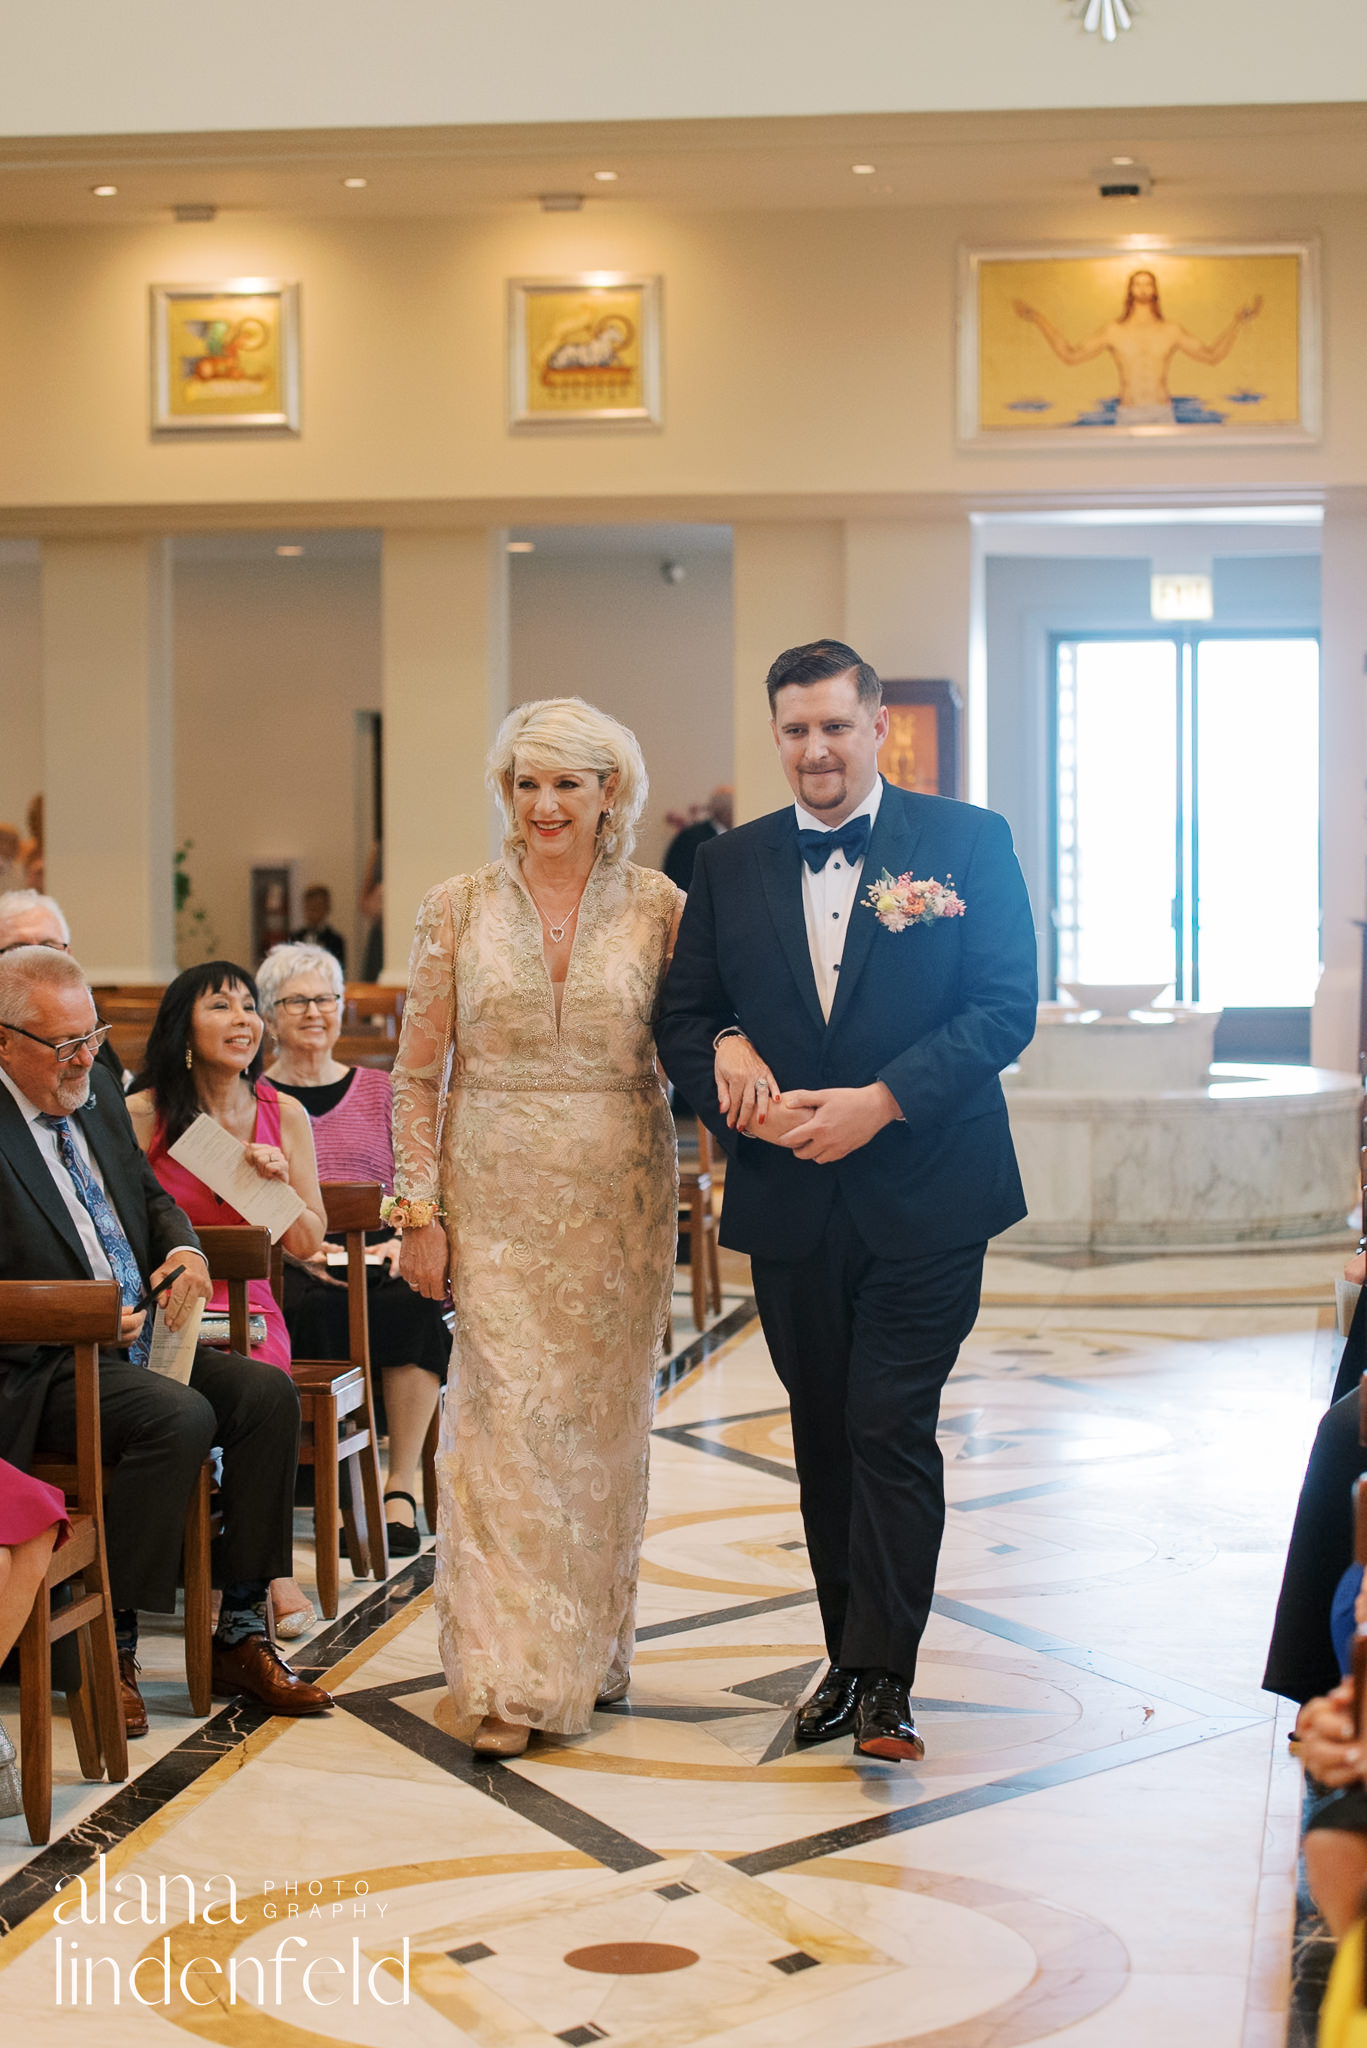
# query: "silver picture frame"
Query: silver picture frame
279,419
523,415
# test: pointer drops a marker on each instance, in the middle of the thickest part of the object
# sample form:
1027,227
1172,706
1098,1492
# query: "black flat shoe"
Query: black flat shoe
403,1541
885,1727
832,1708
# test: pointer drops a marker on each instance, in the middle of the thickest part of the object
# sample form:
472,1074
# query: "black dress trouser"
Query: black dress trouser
156,1434
863,1346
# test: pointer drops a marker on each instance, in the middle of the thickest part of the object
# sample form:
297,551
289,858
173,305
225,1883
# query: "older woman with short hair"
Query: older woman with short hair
535,1171
302,993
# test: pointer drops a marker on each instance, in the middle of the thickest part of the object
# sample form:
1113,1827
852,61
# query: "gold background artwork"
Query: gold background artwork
584,350
910,755
224,355
1024,387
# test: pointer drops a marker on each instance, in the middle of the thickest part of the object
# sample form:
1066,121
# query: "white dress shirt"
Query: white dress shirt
829,897
46,1141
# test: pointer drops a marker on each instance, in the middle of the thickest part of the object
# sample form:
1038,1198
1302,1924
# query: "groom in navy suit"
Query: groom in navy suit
848,1061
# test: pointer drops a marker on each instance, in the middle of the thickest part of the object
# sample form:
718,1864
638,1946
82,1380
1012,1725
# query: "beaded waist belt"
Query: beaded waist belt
561,1087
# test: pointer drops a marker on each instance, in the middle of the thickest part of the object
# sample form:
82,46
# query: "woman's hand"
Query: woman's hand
746,1090
392,1254
267,1160
1328,1739
423,1260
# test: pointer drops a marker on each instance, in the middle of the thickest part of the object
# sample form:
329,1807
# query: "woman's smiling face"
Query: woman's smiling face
225,1029
557,809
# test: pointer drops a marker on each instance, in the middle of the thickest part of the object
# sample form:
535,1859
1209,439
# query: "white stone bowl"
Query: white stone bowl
1114,998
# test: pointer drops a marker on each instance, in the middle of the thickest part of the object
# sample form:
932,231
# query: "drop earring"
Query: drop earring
189,1057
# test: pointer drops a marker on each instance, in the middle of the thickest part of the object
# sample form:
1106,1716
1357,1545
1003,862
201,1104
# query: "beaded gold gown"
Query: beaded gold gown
551,1148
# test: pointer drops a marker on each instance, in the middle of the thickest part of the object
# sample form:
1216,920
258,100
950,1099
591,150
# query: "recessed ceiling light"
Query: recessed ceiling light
863,170
355,184
521,547
1121,161
606,177
104,191
291,550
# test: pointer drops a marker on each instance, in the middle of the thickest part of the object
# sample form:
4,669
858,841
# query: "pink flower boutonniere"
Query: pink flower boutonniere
899,901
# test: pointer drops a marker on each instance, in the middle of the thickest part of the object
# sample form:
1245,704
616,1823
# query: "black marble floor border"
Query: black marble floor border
75,1851
79,1847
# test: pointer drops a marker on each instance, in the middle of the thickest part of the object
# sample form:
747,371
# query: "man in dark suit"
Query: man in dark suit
315,930
682,850
848,1061
79,1201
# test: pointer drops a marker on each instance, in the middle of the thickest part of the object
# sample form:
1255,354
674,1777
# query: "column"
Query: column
1343,770
445,603
908,609
788,587
107,745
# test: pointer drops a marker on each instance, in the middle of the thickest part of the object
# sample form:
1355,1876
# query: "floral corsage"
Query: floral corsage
401,1212
901,900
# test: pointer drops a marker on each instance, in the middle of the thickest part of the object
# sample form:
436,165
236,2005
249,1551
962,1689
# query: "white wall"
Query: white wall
21,697
597,620
78,67
272,660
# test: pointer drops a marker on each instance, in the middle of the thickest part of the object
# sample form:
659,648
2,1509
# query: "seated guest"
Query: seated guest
30,919
316,931
1300,1661
204,1054
78,1202
351,1108
32,1523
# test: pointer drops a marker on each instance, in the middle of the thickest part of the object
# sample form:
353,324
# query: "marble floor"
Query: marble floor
1099,1849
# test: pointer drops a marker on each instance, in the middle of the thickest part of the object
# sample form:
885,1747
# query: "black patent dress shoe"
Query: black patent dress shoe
884,1727
832,1708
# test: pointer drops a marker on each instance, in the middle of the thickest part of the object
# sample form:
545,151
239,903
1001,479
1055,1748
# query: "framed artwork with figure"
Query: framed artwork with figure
584,350
1095,346
921,751
225,357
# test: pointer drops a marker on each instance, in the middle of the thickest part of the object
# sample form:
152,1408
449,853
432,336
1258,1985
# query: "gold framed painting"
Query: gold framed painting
584,350
225,357
1089,346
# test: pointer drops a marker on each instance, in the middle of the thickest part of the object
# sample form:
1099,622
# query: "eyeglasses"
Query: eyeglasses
53,945
300,1004
66,1049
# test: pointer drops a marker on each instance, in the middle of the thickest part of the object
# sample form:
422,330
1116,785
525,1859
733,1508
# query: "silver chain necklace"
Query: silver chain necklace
557,931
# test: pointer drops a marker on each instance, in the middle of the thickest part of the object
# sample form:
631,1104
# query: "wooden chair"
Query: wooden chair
83,1314
698,1216
339,1412
368,1002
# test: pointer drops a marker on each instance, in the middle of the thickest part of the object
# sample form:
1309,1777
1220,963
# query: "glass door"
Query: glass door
1186,815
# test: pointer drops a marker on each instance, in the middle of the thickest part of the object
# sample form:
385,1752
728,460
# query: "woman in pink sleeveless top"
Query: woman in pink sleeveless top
204,1055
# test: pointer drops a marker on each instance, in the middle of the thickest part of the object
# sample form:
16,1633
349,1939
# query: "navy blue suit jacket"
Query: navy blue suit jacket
935,1012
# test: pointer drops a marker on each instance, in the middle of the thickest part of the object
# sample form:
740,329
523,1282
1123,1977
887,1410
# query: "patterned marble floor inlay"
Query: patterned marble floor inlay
1098,1850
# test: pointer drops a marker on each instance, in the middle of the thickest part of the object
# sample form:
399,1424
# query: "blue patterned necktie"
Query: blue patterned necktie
113,1242
852,838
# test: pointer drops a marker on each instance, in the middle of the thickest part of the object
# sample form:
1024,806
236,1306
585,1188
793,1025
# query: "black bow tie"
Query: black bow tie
852,838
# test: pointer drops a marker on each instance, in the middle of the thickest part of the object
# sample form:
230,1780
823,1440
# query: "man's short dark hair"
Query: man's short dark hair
818,660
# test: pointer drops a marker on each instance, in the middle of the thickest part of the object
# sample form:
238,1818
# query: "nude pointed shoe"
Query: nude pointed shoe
500,1738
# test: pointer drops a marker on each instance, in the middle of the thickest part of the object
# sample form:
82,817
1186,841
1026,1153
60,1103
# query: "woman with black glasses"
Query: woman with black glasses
351,1108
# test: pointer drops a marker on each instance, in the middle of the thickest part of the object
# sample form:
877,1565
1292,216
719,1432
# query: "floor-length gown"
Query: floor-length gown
552,1149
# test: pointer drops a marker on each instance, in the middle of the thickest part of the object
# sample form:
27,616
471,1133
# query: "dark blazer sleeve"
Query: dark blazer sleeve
998,990
695,1007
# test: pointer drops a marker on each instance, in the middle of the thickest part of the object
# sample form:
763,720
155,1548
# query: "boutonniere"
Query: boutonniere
897,901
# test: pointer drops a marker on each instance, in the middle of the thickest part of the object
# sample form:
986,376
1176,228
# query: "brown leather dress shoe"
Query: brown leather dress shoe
130,1699
257,1669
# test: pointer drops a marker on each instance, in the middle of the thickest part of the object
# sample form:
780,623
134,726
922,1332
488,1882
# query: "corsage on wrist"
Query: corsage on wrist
401,1212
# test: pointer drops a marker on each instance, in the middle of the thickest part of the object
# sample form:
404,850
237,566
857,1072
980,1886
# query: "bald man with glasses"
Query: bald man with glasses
78,1201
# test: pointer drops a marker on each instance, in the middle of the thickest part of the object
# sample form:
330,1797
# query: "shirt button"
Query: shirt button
836,865
836,915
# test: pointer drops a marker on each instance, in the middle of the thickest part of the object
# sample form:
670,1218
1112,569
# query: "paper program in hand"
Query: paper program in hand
214,1156
173,1351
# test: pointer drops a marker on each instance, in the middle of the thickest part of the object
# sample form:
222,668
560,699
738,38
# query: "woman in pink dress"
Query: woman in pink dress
204,1055
32,1524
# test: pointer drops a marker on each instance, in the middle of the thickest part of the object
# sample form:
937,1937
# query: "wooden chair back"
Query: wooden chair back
369,1000
81,1314
237,1253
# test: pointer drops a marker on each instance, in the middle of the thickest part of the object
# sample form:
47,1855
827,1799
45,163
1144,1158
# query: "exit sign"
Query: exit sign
1181,597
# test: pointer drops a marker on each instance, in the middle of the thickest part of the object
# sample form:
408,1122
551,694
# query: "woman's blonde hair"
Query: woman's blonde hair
565,732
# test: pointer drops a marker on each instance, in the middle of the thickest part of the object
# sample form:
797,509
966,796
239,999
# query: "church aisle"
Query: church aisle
1099,1848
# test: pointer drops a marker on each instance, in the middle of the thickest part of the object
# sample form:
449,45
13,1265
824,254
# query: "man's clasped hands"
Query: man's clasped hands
820,1124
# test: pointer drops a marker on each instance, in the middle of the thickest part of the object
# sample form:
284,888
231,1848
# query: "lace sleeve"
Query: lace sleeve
423,1065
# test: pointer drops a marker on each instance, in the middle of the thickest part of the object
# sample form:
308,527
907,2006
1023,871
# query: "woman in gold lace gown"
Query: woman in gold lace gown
528,1106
